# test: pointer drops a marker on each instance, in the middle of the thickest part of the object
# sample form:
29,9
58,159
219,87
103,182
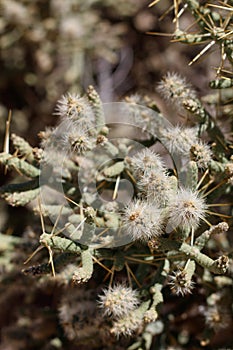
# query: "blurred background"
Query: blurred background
49,47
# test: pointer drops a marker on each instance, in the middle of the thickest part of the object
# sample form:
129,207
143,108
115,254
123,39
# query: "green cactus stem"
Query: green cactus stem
19,165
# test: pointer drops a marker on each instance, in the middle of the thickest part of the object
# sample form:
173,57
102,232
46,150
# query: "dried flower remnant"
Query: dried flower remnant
175,89
77,141
180,283
145,161
186,209
75,108
118,301
142,220
179,139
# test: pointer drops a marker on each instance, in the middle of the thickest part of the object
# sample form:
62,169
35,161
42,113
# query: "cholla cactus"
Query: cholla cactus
179,139
142,220
161,214
175,89
118,301
186,209
180,283
145,161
